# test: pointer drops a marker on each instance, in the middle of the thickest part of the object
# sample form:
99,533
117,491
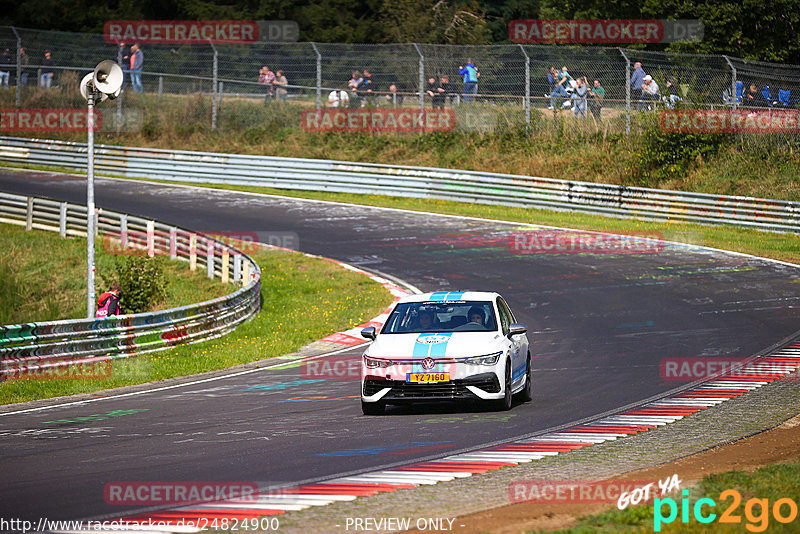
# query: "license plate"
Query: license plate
427,377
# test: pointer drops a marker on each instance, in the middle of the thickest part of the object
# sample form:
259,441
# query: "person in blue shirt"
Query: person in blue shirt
471,75
637,79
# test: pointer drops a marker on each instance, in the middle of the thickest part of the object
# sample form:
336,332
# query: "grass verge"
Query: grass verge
754,510
43,277
303,299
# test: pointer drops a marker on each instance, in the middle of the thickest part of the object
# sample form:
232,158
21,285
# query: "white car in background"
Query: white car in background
452,345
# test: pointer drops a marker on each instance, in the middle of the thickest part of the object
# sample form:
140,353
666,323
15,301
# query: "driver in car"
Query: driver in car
475,315
426,320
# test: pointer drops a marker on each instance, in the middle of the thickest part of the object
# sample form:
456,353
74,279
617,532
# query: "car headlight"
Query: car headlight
489,359
374,363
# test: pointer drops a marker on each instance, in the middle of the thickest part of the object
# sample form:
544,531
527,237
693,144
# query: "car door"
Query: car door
519,344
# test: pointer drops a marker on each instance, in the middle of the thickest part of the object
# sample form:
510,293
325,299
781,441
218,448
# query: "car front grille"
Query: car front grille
454,389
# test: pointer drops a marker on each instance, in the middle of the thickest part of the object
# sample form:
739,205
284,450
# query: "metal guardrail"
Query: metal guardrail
420,182
29,349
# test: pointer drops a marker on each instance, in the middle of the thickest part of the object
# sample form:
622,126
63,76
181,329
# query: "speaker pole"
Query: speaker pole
90,218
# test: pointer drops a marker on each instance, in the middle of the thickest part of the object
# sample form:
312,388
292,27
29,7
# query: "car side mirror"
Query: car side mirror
516,329
369,333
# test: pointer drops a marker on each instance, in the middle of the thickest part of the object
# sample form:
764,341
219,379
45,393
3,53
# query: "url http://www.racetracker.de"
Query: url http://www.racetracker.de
213,523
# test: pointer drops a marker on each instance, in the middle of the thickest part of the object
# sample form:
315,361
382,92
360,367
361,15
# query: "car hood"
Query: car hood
435,345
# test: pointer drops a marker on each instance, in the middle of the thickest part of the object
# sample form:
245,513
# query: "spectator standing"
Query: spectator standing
123,60
637,79
46,79
367,88
137,65
596,94
24,61
470,75
280,82
579,97
267,78
432,90
5,68
353,84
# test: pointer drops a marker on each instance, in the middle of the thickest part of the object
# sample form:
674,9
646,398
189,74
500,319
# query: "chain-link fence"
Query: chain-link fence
220,89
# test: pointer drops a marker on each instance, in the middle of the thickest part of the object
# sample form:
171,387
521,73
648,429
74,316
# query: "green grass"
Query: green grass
303,299
43,277
773,482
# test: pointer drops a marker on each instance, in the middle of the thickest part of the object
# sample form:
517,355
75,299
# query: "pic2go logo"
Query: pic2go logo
756,511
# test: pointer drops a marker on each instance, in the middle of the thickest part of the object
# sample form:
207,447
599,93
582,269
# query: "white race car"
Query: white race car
446,345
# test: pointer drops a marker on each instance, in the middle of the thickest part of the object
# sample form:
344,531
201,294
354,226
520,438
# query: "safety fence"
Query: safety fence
513,78
407,181
34,349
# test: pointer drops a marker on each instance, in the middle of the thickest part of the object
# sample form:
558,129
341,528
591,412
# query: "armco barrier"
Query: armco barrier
32,348
420,182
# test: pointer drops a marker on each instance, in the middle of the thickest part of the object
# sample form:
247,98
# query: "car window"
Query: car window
505,319
502,304
456,316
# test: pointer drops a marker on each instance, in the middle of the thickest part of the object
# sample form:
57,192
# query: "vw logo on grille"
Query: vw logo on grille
428,363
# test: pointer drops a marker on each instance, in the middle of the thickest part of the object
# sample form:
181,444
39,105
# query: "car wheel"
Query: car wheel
526,395
373,408
504,404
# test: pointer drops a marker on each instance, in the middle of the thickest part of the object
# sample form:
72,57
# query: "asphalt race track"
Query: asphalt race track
599,326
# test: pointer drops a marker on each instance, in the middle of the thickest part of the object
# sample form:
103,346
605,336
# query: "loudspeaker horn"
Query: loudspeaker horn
108,78
87,86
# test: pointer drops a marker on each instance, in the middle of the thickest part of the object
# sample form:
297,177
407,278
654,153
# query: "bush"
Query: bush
142,281
668,156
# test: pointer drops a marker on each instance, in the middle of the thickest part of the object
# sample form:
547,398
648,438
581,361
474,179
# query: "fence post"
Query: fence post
627,92
733,81
160,86
151,238
246,273
119,98
225,265
237,267
19,66
123,231
319,75
221,92
210,245
421,77
527,104
193,252
173,243
62,220
29,214
214,88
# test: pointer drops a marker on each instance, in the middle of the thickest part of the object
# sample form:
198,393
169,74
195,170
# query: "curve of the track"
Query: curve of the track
599,327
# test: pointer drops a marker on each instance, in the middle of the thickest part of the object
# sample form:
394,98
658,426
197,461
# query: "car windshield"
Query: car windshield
457,316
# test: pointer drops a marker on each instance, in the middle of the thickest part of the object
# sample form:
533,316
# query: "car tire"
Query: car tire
504,404
373,408
526,395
